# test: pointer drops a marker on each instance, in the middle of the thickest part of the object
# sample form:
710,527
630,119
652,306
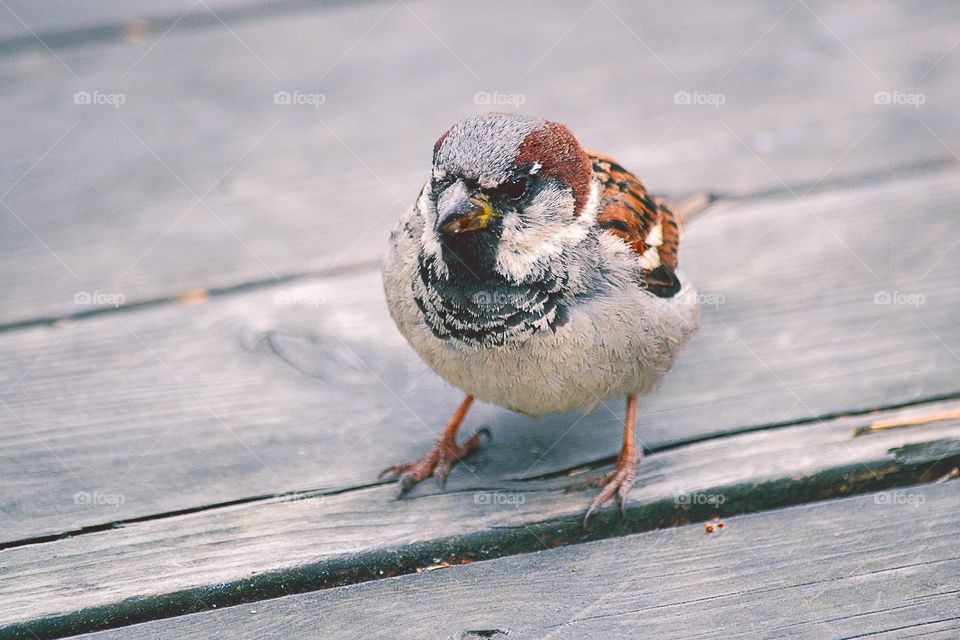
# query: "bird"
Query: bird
539,276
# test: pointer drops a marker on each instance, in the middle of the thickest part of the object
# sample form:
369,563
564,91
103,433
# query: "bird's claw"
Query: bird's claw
617,484
438,462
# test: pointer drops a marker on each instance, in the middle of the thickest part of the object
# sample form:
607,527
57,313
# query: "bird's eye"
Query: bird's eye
515,189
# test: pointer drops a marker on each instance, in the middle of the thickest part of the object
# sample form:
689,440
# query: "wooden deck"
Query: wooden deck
199,380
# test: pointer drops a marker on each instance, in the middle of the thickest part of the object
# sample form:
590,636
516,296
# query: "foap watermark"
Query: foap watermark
497,99
97,499
899,497
114,100
499,499
301,298
299,98
496,298
99,298
699,98
899,298
899,97
696,497
711,299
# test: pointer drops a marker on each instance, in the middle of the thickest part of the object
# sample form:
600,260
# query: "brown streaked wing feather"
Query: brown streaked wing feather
626,209
644,222
669,250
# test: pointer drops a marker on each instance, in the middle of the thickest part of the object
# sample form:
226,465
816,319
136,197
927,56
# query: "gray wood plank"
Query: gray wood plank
310,387
250,552
105,199
883,565
29,21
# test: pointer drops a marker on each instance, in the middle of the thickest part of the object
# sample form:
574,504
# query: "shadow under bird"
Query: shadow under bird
538,276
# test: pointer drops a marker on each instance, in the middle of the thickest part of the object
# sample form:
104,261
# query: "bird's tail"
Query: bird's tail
690,208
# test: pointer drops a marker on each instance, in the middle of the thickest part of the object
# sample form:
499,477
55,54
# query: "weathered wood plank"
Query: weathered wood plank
26,21
107,198
311,387
251,552
882,565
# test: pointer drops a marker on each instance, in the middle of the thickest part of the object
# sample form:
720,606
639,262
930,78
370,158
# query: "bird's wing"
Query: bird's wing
642,221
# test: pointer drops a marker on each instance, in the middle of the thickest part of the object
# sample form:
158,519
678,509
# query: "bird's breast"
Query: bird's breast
605,349
486,311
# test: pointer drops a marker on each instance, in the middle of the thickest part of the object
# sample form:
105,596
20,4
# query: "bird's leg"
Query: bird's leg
619,481
444,454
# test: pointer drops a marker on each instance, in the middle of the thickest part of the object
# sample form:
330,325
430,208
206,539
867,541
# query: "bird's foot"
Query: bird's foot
616,483
438,461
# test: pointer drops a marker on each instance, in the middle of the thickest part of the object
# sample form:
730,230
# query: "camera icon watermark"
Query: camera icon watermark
899,298
913,499
697,498
115,100
99,298
299,298
299,98
899,97
699,98
499,499
496,298
97,499
497,99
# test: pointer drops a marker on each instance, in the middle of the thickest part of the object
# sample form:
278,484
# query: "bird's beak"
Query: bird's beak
459,210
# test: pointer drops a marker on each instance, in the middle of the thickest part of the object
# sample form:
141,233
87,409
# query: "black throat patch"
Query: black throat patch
477,306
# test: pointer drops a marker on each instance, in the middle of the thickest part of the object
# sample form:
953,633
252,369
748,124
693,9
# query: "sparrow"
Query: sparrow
538,276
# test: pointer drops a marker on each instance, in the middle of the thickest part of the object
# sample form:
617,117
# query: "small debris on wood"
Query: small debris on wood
952,475
884,425
434,567
713,525
135,32
198,296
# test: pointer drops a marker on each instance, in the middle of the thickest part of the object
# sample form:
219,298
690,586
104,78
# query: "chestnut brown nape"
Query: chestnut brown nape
560,156
439,142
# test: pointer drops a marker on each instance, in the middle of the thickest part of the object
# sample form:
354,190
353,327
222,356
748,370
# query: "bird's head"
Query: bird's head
508,193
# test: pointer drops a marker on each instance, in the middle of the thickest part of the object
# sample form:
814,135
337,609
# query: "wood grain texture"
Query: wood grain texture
25,21
310,387
839,569
176,565
199,180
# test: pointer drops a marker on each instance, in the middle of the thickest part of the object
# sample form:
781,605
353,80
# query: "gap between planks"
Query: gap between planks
336,269
256,552
835,569
561,473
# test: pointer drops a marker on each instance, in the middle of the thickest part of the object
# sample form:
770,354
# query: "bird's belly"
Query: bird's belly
603,351
537,381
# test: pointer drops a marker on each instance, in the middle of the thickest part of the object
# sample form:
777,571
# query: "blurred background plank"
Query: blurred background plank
200,180
252,552
837,569
56,23
813,306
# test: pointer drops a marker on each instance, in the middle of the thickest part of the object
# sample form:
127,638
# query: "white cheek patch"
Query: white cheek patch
655,237
529,246
650,259
592,206
428,238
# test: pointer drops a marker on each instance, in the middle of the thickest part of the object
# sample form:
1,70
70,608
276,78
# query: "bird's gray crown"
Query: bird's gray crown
483,147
